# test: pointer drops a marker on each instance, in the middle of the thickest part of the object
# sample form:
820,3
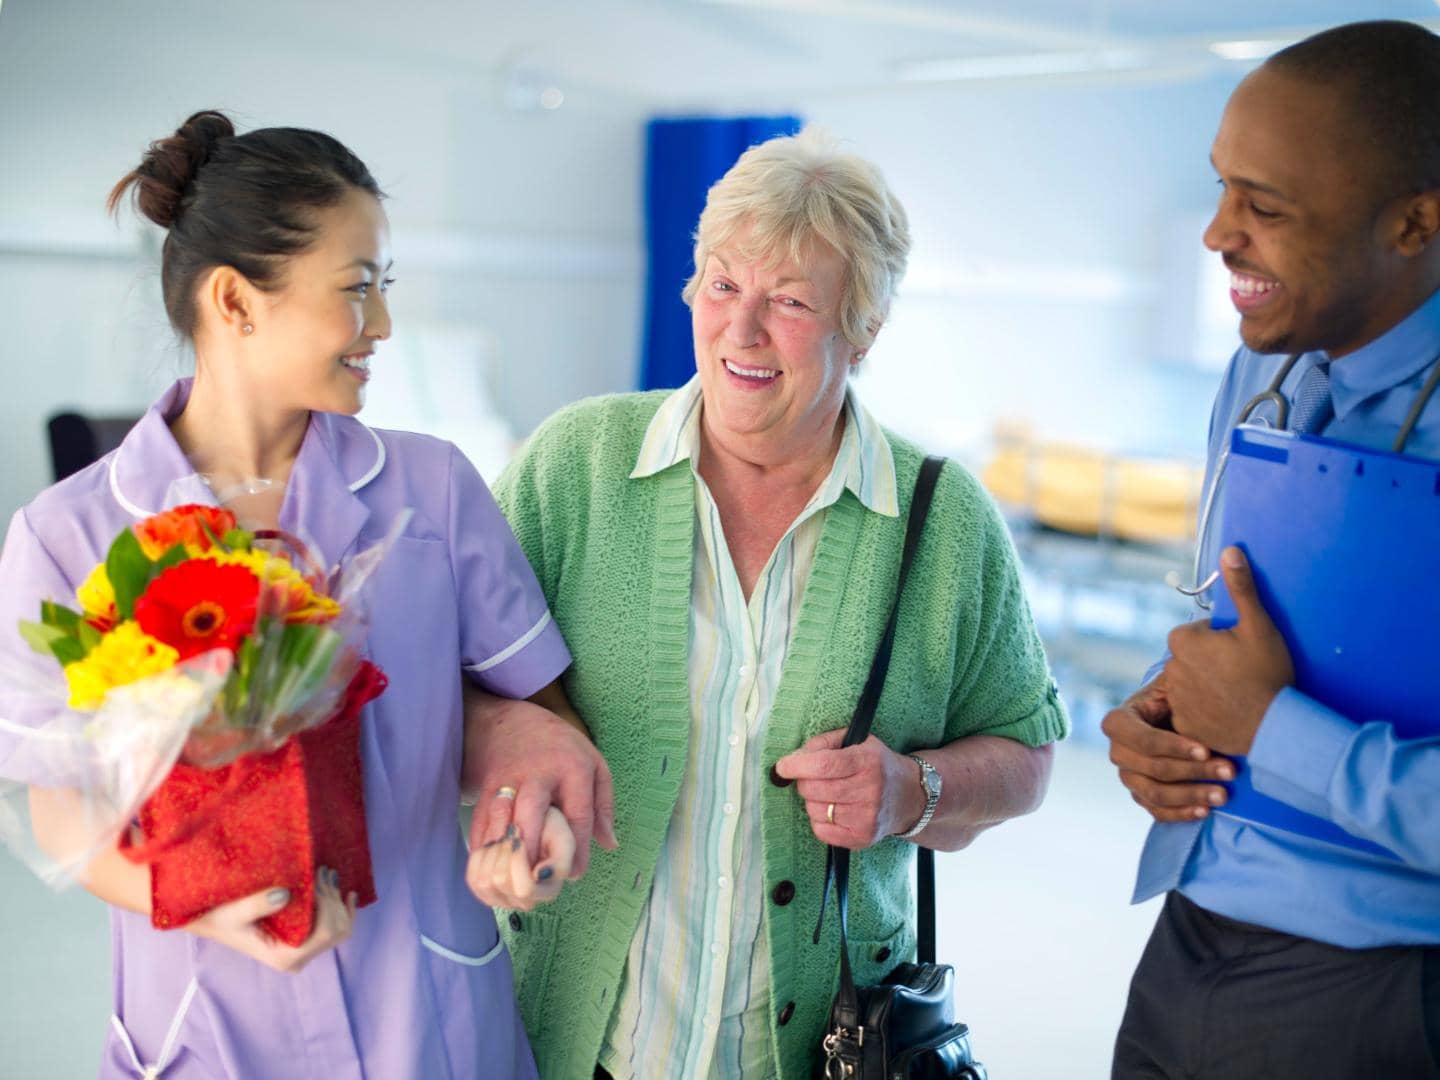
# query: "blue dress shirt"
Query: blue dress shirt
1350,770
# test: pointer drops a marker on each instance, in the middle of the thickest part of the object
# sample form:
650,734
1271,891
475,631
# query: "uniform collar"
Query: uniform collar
864,463
338,457
1397,355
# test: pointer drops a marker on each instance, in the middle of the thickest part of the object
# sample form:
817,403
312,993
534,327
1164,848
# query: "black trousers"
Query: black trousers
1217,999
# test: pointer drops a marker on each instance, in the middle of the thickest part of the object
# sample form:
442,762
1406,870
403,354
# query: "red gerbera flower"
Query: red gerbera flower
199,605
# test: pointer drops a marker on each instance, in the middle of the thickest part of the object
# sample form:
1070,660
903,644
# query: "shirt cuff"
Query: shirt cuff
1298,748
532,663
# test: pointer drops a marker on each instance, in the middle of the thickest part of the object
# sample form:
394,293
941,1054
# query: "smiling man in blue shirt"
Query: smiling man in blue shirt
1277,955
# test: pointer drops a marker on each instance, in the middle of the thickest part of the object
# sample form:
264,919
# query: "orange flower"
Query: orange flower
184,525
199,605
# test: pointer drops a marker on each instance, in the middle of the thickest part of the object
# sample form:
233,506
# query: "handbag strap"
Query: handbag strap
837,860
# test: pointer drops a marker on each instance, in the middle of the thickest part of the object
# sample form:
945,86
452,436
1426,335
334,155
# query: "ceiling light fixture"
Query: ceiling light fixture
1023,65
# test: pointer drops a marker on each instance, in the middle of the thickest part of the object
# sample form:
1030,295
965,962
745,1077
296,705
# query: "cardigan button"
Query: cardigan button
515,923
783,893
787,1012
882,954
778,780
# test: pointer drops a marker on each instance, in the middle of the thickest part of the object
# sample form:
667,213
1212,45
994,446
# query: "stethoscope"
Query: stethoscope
1271,395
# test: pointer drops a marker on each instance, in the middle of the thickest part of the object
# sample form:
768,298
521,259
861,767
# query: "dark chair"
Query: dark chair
76,441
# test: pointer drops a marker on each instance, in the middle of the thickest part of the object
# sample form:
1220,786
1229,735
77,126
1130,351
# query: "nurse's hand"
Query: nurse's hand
237,925
500,873
1159,767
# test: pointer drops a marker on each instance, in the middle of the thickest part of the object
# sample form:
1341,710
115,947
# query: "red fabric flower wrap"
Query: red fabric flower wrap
265,820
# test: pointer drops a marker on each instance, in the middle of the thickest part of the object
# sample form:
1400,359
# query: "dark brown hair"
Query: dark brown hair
1387,74
246,201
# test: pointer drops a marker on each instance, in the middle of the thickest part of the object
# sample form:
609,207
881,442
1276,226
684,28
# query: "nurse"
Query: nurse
275,266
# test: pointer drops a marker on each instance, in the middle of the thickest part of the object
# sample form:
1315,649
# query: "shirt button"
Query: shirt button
729,808
733,740
778,780
723,882
783,893
515,923
787,1012
714,948
743,671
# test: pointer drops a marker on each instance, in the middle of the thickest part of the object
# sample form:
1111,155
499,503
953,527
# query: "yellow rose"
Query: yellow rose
125,655
97,599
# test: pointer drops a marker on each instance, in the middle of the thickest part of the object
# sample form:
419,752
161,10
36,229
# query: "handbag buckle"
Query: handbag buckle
835,1068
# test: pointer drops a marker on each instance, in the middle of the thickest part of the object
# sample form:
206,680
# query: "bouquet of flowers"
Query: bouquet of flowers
213,684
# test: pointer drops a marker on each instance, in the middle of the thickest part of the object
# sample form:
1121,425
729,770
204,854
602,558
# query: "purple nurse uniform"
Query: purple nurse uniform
423,986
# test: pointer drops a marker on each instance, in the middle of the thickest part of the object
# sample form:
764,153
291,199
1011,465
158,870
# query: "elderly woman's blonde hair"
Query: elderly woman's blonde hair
795,189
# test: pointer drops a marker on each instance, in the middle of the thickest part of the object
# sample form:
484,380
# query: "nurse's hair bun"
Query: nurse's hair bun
167,172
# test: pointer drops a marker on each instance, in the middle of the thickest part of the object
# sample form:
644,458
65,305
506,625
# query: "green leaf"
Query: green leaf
128,568
59,616
68,650
42,637
89,637
238,540
174,557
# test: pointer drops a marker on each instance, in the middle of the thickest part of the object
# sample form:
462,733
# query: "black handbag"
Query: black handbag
904,1028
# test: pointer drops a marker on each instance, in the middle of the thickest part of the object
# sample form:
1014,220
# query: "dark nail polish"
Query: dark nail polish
511,833
546,873
515,844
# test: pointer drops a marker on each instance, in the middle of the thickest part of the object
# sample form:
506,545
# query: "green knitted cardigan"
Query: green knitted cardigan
614,556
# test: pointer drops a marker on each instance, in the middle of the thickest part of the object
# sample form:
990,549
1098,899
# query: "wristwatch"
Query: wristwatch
930,781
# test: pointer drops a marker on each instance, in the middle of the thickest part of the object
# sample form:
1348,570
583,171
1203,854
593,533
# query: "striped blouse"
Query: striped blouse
695,1001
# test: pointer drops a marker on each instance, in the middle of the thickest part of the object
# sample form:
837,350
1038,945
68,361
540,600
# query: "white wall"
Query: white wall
1042,278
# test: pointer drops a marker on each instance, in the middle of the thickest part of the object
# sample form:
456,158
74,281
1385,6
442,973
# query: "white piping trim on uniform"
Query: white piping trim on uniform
167,1049
461,958
505,654
120,495
379,462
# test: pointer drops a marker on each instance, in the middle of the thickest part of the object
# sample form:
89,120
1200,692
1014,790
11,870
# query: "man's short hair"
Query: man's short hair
1388,73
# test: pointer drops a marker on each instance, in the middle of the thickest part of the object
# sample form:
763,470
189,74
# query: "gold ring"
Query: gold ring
506,792
830,814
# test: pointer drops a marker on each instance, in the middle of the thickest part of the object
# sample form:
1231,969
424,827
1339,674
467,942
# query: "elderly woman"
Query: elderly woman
721,560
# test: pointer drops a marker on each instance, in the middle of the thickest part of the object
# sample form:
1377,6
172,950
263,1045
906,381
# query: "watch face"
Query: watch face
932,782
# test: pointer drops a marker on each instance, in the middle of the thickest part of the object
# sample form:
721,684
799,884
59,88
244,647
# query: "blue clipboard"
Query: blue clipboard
1345,545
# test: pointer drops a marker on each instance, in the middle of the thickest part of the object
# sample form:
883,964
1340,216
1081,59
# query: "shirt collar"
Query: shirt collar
864,463
1400,353
338,456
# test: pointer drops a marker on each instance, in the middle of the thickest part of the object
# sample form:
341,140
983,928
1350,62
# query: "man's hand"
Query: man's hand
875,792
1158,766
1219,683
521,758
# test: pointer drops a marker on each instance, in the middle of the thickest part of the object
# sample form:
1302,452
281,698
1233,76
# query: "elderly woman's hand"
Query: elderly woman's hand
523,757
857,795
500,873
